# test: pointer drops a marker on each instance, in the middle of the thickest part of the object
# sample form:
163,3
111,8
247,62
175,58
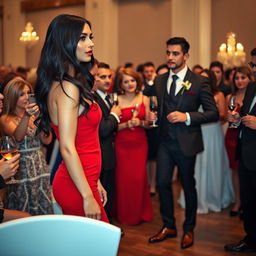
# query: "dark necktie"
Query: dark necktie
107,98
173,85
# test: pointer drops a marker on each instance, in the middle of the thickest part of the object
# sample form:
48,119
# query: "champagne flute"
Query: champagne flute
8,149
135,110
153,108
232,106
114,98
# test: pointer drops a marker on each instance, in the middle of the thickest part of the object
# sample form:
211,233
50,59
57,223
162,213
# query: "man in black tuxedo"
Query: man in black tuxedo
108,126
180,92
246,150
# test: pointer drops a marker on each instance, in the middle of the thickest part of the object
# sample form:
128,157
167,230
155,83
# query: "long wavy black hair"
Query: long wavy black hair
57,56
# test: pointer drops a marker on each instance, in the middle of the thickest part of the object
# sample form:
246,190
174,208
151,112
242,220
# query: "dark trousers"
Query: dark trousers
248,200
107,179
169,155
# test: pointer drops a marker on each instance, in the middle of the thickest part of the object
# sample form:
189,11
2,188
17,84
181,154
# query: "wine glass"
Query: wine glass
153,108
114,98
8,149
232,106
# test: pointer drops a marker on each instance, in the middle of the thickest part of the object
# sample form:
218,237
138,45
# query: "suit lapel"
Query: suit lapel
186,78
102,104
252,94
163,90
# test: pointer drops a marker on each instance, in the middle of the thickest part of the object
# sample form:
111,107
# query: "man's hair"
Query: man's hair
103,65
180,41
253,52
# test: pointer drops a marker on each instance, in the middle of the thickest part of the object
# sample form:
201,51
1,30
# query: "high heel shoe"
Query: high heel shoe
235,213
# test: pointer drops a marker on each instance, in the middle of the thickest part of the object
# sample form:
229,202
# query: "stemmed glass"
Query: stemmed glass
114,98
153,108
232,106
8,149
135,110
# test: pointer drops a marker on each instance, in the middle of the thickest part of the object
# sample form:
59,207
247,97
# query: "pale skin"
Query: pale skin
27,114
8,168
64,112
130,99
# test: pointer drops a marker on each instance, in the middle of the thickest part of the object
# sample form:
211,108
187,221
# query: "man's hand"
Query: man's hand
117,110
177,117
249,121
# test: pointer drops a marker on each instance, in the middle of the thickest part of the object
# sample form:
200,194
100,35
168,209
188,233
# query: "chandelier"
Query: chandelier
231,54
29,37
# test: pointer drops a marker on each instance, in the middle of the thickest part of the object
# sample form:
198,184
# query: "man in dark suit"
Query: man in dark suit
246,150
108,126
180,92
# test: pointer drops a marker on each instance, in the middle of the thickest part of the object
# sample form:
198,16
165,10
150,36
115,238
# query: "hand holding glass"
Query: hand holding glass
8,149
153,108
232,106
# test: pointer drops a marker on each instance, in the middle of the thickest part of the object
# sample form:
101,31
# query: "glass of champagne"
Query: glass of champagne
8,149
232,106
114,98
135,110
153,108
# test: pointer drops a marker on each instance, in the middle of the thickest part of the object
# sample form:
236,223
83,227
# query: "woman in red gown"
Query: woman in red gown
133,203
65,81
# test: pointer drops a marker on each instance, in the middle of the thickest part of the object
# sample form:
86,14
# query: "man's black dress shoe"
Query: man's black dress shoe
187,240
163,234
241,246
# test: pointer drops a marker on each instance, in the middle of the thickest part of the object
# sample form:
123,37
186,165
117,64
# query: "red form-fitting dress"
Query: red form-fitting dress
133,203
88,148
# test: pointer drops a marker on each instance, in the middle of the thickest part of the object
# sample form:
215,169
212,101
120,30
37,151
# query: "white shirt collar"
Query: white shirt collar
102,94
181,75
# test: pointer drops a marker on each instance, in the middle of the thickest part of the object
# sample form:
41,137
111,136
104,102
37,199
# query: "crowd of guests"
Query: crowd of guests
112,158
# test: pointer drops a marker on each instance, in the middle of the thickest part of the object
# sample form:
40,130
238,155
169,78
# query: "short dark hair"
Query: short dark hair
103,65
128,65
217,64
253,52
180,41
164,65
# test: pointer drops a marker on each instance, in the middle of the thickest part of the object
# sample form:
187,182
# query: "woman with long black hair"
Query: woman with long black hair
63,93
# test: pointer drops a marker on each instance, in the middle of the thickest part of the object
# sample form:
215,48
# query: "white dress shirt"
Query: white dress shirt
103,96
181,75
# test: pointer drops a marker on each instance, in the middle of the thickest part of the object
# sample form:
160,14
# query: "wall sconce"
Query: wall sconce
29,37
231,54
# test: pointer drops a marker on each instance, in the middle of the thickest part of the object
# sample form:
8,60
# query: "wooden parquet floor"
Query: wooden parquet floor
212,232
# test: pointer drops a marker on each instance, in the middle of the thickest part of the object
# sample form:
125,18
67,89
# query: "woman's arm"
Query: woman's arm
18,131
67,115
46,139
221,105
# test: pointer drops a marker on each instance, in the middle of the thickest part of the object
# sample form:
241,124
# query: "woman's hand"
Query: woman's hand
233,117
9,168
103,193
135,122
249,121
92,208
32,109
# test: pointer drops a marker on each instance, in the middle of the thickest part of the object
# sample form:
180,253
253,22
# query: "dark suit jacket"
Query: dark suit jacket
189,137
248,139
108,126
